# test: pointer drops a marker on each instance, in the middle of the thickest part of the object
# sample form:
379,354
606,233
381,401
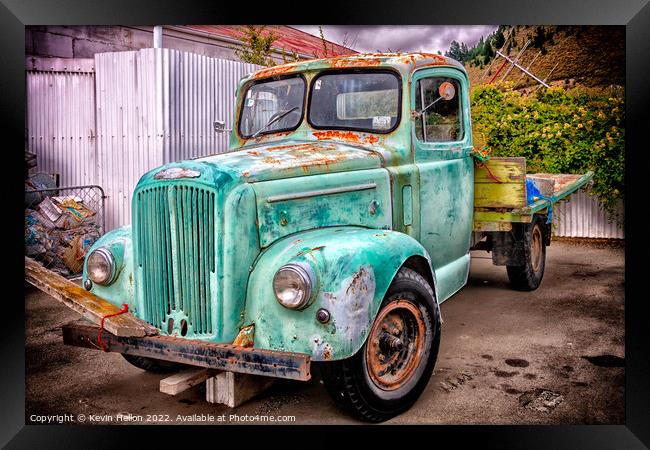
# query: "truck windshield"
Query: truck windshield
364,101
272,106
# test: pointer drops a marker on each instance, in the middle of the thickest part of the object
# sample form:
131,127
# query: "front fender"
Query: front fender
122,290
354,268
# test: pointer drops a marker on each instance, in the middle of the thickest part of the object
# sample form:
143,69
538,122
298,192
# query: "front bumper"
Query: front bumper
293,366
125,333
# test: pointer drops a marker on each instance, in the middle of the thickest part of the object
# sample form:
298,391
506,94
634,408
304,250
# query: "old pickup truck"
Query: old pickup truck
339,220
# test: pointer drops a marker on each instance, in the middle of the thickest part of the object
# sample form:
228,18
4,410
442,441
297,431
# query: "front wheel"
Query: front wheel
388,374
528,276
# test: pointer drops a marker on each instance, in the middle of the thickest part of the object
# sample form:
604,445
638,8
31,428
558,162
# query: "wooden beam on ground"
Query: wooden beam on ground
85,303
182,381
233,389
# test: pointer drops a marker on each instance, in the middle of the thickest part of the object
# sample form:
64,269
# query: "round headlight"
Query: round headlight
292,285
100,266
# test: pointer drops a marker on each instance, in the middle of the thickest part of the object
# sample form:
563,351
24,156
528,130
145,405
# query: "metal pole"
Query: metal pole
528,67
523,69
157,36
519,55
549,74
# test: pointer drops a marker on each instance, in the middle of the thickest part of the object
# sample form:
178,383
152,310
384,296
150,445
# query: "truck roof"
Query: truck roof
404,62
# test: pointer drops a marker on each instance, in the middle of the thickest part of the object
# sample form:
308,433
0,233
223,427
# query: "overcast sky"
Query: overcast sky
404,38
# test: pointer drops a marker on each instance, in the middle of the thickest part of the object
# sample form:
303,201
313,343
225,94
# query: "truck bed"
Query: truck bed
501,196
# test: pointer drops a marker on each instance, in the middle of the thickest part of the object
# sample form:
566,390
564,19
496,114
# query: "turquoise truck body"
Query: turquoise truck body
209,234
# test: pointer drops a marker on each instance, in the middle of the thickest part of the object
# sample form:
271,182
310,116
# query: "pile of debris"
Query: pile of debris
58,228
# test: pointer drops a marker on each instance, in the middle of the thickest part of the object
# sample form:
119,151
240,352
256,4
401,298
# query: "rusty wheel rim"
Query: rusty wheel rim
536,250
395,345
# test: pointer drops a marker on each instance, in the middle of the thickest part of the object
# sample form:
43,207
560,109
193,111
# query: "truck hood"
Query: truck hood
292,159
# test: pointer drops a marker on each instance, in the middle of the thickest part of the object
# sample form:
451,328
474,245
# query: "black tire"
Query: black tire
350,381
152,365
529,276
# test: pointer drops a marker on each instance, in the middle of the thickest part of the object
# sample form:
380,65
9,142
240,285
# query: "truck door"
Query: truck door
442,140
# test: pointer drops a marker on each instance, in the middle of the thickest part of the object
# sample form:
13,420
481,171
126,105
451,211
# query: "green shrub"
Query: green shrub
557,132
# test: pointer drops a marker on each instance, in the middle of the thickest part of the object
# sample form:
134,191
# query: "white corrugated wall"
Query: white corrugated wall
61,124
129,128
156,106
583,216
197,90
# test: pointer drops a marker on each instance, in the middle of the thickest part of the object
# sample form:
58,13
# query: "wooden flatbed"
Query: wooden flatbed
501,197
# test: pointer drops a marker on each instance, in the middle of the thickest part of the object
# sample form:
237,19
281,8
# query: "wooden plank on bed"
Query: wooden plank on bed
500,183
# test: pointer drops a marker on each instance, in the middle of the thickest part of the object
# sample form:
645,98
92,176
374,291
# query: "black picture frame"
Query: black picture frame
633,14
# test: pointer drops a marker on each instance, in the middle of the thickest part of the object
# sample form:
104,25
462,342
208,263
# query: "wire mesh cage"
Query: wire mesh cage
61,223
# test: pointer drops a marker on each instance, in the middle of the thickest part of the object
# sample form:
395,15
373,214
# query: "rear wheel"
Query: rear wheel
152,365
388,374
528,277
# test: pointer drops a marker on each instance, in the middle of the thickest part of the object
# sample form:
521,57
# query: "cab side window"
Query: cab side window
439,119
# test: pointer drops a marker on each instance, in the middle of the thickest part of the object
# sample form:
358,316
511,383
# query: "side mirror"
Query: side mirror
447,90
219,126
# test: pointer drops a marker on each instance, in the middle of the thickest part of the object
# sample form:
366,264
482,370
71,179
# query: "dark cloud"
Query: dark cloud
431,38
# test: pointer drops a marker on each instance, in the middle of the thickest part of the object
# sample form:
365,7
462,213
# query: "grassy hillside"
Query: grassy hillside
586,56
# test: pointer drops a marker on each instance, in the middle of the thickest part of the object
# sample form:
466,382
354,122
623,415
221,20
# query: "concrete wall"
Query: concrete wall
85,41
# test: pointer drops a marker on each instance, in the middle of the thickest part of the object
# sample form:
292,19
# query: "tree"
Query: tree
256,47
323,41
455,51
288,57
499,38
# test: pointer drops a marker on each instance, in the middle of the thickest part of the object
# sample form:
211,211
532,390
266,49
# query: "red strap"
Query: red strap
491,174
125,308
481,160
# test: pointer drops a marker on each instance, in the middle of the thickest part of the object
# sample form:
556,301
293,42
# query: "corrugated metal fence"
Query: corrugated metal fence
61,123
155,106
584,216
110,120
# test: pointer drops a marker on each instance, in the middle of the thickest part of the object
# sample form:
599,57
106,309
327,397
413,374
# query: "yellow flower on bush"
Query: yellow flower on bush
580,125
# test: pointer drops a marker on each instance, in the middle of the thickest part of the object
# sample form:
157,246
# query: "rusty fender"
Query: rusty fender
354,268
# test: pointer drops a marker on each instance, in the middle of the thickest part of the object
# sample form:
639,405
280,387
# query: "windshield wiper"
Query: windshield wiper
277,116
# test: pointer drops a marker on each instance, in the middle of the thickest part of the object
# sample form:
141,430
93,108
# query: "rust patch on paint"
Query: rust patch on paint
342,62
355,61
347,136
358,283
271,160
276,70
246,337
310,250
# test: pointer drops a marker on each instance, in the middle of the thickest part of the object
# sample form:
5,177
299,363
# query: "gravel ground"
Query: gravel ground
553,356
